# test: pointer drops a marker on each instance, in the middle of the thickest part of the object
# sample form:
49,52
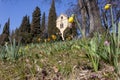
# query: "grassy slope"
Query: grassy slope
53,61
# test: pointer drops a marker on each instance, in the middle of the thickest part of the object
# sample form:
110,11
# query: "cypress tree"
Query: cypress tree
43,22
6,29
52,29
17,31
43,27
24,30
28,25
25,25
35,26
16,35
6,33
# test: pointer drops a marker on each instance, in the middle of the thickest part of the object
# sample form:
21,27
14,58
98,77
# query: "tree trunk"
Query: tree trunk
94,15
83,15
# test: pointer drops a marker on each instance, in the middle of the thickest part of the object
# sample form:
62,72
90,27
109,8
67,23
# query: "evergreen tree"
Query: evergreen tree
25,25
43,27
24,30
16,35
5,34
17,31
52,29
6,29
28,25
35,26
43,22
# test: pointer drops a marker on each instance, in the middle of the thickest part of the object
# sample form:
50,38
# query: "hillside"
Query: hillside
65,60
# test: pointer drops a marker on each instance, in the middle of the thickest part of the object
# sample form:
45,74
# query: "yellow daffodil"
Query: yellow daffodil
107,6
53,37
71,20
48,39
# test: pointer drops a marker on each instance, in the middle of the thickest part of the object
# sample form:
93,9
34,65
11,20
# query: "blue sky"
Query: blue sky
16,9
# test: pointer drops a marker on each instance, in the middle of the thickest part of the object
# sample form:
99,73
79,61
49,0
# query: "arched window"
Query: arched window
61,17
61,25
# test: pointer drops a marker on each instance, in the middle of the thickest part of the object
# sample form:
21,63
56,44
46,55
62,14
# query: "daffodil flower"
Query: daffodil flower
48,39
53,37
107,6
71,20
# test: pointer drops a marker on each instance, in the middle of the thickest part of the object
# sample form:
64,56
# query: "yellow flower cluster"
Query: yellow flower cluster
107,6
53,37
47,40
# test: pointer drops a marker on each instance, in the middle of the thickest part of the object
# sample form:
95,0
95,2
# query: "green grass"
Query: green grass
65,60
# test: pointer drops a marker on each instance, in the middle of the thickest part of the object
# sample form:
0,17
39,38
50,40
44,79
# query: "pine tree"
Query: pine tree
35,26
52,29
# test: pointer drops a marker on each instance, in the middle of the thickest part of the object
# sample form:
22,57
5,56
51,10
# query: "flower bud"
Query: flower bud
107,6
71,20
